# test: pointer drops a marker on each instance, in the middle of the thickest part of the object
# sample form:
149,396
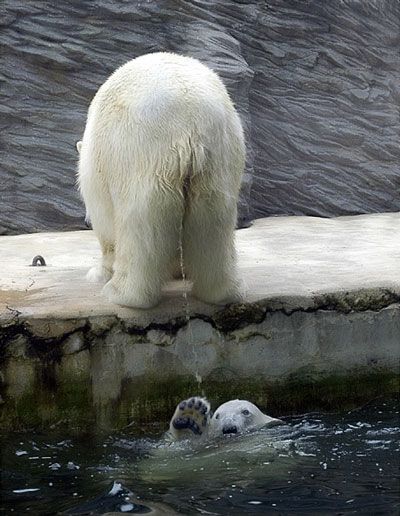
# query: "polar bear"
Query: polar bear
192,418
160,167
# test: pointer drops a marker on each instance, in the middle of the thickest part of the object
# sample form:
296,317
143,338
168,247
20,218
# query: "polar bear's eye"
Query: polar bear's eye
246,412
216,416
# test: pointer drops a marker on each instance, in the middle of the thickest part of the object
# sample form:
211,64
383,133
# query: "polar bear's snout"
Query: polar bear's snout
229,429
229,422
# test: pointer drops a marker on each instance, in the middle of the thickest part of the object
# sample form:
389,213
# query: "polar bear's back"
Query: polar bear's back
165,88
164,112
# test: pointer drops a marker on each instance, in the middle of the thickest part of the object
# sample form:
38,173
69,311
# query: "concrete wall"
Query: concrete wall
106,374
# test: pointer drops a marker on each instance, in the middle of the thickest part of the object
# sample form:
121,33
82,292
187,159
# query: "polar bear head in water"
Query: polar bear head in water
238,416
192,418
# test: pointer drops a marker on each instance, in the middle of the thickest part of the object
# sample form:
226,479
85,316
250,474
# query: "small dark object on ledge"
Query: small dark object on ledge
38,260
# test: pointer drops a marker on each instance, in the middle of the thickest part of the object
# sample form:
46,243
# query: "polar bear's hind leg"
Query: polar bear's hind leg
209,251
100,210
146,245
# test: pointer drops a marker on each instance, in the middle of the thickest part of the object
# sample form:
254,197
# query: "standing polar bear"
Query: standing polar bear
160,166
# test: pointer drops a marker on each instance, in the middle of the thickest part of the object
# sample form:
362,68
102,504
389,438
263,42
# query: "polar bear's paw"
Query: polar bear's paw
99,274
125,296
191,414
218,295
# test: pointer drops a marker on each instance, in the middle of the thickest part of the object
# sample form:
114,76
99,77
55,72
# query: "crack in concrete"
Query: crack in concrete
30,285
237,316
16,313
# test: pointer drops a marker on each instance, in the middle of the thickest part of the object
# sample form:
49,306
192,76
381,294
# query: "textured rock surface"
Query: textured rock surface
316,83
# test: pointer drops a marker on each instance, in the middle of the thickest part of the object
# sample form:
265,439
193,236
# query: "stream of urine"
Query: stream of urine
191,343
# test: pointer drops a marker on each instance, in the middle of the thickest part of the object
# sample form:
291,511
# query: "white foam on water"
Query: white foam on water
127,507
116,488
29,490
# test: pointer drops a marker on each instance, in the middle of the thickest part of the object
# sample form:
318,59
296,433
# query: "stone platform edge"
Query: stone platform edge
110,372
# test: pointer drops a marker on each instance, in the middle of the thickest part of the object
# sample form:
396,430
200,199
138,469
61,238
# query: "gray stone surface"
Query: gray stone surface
316,83
284,262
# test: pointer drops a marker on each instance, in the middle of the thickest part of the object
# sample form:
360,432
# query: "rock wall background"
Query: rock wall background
317,84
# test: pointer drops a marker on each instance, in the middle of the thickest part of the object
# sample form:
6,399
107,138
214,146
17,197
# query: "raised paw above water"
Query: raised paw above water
191,417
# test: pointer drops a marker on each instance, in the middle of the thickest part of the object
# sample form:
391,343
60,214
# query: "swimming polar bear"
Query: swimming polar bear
160,168
192,417
236,437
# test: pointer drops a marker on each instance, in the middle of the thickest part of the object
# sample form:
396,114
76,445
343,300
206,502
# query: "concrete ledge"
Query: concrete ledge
320,324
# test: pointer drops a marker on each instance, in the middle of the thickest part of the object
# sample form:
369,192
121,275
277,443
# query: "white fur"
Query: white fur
161,160
240,414
232,417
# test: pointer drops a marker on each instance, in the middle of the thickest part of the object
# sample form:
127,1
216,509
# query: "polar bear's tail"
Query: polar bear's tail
187,161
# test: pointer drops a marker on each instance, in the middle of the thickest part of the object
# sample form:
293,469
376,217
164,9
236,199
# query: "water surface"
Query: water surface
342,463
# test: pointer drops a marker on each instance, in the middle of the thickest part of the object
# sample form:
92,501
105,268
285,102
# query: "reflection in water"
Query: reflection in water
316,464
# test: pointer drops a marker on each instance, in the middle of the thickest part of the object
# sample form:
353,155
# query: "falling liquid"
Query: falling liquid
197,375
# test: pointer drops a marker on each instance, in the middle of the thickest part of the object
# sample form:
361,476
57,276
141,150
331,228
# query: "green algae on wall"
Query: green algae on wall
148,400
107,373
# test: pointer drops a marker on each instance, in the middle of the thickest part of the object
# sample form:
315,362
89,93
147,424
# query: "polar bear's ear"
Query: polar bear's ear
79,146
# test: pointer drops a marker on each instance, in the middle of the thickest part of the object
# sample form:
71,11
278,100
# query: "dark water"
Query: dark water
343,463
